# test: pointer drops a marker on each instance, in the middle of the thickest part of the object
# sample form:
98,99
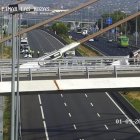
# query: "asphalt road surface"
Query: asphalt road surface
85,116
107,48
40,40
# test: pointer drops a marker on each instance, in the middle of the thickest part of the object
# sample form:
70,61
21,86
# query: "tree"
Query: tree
60,28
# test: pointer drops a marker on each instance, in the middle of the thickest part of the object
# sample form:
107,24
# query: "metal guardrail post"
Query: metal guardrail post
30,74
59,74
115,71
87,72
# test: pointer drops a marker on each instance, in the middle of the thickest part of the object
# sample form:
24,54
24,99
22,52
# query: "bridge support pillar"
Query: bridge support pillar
1,76
87,71
30,74
115,71
59,74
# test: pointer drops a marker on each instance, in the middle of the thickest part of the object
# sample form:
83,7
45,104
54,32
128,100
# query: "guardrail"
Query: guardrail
74,71
76,61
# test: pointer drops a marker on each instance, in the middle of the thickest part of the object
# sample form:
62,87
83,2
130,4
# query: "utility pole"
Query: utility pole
13,77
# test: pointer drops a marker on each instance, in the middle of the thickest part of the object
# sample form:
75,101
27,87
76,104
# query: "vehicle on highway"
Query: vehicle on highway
79,30
123,41
84,32
28,55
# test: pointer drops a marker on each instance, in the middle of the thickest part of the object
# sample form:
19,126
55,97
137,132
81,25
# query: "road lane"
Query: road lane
42,41
32,123
107,48
90,117
82,116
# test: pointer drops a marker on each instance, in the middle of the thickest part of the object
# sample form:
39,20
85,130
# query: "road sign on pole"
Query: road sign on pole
109,20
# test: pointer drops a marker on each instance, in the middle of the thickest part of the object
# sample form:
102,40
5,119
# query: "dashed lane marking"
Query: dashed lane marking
86,95
106,126
65,104
98,115
69,115
42,113
91,104
62,95
74,126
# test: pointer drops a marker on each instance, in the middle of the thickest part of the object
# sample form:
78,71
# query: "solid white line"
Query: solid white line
44,123
69,114
122,112
42,113
62,95
65,104
74,126
98,115
86,95
106,127
54,38
91,104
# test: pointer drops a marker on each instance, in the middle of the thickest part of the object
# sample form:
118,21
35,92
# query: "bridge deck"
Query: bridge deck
53,86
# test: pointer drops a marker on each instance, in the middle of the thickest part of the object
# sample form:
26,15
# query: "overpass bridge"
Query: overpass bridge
73,85
96,74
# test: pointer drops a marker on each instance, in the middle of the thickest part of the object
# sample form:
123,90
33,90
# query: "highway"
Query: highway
42,41
85,116
107,48
32,126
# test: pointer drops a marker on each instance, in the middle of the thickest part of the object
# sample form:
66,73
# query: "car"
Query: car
91,39
109,40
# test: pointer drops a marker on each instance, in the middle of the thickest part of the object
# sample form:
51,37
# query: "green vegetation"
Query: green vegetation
133,98
130,26
60,28
5,51
6,116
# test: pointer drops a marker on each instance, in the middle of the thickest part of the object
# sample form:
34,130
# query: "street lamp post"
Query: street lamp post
15,111
13,77
136,34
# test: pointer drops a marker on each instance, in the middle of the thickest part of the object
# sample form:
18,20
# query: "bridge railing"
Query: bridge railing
74,71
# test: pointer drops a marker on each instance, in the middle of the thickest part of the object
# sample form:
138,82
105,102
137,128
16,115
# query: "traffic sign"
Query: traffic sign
109,20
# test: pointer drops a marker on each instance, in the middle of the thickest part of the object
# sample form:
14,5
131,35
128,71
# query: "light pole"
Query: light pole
136,34
14,112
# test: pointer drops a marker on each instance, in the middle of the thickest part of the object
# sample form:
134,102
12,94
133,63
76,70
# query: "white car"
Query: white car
91,39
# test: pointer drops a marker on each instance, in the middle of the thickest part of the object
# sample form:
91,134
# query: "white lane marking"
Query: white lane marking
123,112
106,126
91,104
46,133
42,113
62,95
65,104
39,99
69,114
86,95
74,126
54,38
98,115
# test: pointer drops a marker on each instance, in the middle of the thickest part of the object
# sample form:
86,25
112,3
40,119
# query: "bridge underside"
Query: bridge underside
73,85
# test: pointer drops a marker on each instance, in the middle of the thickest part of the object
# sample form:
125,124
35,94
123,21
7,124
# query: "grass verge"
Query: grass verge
5,53
7,117
134,99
